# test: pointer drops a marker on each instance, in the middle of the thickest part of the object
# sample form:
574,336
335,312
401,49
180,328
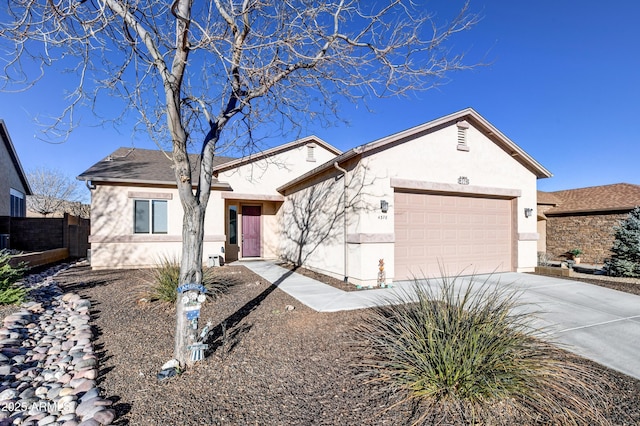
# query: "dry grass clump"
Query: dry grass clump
461,352
163,281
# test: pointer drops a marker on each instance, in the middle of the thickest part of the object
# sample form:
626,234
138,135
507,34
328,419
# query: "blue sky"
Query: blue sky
563,82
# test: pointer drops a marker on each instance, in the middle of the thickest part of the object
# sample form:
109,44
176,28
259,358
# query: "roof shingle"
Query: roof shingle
136,165
615,197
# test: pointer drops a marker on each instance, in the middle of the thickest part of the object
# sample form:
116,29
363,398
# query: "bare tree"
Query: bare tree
223,73
52,191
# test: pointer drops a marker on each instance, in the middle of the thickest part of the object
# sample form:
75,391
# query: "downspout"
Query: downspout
344,215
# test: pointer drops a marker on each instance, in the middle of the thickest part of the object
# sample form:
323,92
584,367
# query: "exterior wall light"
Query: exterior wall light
384,206
528,212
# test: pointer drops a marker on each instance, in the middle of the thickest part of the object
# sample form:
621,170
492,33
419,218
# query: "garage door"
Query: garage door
464,234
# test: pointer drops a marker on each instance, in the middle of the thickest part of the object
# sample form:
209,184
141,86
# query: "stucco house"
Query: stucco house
454,192
14,186
584,218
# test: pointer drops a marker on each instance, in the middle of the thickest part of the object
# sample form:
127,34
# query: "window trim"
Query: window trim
234,222
21,204
151,222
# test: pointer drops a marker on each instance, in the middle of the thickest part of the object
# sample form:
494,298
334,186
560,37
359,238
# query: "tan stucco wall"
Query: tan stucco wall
9,178
113,242
312,225
114,245
432,159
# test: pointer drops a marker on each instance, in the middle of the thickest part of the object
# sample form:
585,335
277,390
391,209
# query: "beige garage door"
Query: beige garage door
464,234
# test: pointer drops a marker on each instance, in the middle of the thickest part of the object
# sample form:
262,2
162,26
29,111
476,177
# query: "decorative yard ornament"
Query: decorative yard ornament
382,275
193,296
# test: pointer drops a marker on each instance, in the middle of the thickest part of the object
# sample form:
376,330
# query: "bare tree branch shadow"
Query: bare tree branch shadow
227,334
315,216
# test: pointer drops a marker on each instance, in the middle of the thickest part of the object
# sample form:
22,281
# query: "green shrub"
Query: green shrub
466,356
10,292
165,279
625,261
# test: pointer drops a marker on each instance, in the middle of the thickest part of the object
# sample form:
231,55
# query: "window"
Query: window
233,225
18,206
150,216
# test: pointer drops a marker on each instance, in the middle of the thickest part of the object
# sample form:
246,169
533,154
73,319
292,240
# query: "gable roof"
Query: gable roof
4,135
276,150
468,114
151,166
603,198
135,165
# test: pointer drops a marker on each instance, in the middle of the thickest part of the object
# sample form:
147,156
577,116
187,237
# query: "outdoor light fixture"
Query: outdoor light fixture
528,212
384,206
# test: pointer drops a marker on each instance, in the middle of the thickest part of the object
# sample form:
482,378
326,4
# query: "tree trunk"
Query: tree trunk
190,273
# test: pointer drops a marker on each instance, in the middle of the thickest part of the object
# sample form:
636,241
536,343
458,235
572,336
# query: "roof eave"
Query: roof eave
14,157
621,209
275,150
516,152
102,180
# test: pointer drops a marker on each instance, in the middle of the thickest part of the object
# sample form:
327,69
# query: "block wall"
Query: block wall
593,234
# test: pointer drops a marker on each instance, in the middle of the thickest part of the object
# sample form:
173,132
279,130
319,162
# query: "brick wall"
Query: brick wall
592,233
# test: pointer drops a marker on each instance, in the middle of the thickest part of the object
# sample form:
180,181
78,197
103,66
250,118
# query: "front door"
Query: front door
251,231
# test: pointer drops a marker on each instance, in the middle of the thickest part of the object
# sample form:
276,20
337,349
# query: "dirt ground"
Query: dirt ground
272,367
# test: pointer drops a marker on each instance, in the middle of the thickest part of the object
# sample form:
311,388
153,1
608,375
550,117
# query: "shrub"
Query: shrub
625,261
165,278
10,291
465,356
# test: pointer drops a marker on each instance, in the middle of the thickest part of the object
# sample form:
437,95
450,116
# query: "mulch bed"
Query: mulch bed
275,367
334,282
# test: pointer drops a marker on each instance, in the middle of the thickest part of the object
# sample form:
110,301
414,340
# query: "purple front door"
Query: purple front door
251,231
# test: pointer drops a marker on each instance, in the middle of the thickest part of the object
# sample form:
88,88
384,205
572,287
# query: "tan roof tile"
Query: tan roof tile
141,166
547,198
619,196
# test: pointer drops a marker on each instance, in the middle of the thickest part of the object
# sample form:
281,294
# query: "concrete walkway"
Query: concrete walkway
594,322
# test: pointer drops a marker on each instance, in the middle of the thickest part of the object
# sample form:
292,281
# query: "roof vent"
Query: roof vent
462,135
311,152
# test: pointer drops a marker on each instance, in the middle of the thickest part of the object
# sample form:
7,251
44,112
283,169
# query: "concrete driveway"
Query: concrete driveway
594,322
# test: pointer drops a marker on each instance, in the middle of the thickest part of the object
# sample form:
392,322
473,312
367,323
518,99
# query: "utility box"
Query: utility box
215,260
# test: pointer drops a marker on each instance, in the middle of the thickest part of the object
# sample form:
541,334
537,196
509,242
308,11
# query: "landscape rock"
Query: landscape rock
47,359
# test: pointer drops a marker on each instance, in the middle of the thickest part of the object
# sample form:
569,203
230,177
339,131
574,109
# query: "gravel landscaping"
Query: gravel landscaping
267,364
48,365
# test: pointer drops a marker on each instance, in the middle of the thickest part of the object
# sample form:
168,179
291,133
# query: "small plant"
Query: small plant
10,292
575,252
165,279
466,356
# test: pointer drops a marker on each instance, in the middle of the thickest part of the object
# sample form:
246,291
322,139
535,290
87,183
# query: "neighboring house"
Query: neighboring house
14,186
584,218
454,192
73,208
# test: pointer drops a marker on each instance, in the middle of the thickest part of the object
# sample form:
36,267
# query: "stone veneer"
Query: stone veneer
592,233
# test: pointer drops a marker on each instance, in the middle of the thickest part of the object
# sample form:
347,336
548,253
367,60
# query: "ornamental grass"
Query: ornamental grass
463,351
164,280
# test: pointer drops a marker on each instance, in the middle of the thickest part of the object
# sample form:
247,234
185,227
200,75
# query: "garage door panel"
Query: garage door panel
460,233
